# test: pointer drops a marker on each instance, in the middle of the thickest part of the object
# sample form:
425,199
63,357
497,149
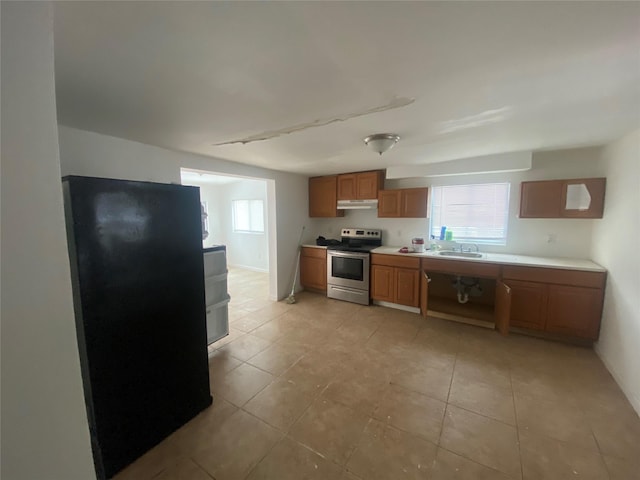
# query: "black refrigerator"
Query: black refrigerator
138,284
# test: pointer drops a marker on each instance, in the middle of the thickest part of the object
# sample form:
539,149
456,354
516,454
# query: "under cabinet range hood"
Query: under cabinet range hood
357,204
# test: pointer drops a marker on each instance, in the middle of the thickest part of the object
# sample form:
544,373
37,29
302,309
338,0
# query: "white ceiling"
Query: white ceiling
453,79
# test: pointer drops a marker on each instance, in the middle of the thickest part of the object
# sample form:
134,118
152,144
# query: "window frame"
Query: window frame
480,241
250,218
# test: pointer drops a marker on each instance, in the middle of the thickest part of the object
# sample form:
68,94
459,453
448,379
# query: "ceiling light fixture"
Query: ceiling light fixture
381,142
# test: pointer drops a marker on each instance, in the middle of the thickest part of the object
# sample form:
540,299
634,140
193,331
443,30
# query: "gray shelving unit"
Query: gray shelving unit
216,296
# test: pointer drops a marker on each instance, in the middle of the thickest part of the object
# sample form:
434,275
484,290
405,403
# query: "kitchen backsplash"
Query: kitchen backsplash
395,231
569,238
539,237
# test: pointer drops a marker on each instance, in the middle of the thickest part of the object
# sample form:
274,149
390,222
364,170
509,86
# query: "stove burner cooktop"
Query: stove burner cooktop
358,240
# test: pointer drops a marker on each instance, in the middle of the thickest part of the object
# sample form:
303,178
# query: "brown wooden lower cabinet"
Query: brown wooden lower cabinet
528,304
313,268
574,311
407,290
382,283
552,302
559,302
562,302
395,284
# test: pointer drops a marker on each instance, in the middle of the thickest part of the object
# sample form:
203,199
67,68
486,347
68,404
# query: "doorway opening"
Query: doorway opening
239,212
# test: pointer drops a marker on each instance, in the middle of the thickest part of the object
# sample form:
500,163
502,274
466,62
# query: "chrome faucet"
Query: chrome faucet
468,245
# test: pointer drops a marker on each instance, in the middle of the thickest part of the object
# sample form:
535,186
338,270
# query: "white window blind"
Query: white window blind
248,216
474,213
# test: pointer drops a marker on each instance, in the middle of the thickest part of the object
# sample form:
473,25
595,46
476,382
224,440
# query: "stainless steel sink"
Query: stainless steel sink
451,253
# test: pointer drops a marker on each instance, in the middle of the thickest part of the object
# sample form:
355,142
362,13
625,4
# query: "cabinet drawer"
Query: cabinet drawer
217,321
395,261
470,269
215,263
555,275
314,252
215,289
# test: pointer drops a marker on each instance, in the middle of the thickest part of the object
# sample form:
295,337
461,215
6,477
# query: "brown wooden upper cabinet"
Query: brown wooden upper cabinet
360,186
403,203
323,200
575,198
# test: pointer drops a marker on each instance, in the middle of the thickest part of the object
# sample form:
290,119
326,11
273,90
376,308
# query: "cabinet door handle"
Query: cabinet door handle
427,277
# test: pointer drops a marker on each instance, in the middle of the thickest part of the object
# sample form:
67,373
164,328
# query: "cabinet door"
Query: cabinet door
389,203
407,288
583,198
382,283
347,187
367,185
528,304
541,199
414,203
313,269
323,200
424,293
503,307
574,311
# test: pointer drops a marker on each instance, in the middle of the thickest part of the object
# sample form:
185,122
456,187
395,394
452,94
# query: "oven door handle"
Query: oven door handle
349,254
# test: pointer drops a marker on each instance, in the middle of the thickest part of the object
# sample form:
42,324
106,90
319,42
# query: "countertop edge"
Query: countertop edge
502,259
314,246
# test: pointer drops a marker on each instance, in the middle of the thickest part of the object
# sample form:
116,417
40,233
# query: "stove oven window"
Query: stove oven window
347,267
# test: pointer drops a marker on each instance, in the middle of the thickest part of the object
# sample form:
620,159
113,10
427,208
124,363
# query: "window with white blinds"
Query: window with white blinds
248,216
474,213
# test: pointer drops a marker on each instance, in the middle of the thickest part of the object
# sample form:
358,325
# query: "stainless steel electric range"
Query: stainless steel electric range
348,264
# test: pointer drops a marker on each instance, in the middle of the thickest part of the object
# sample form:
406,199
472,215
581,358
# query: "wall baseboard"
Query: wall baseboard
635,402
397,306
247,267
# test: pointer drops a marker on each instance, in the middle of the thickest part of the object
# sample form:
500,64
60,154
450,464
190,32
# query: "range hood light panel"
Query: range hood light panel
357,204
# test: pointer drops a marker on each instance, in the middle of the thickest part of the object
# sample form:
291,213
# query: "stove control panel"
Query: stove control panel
361,233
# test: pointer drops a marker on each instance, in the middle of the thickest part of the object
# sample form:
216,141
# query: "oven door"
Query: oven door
348,269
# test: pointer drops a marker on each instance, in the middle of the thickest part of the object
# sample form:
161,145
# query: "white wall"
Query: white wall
213,197
247,250
45,434
616,247
211,194
93,154
525,236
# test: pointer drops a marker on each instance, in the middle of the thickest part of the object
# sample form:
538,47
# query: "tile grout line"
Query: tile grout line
458,356
474,461
595,439
264,456
285,433
206,472
515,413
453,372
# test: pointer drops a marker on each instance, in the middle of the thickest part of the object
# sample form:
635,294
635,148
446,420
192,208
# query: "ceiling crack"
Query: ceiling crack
395,103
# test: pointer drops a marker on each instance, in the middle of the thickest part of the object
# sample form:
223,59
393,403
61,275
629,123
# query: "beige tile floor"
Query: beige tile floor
324,389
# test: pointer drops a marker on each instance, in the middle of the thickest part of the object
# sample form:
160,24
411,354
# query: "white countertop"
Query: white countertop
507,259
501,258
